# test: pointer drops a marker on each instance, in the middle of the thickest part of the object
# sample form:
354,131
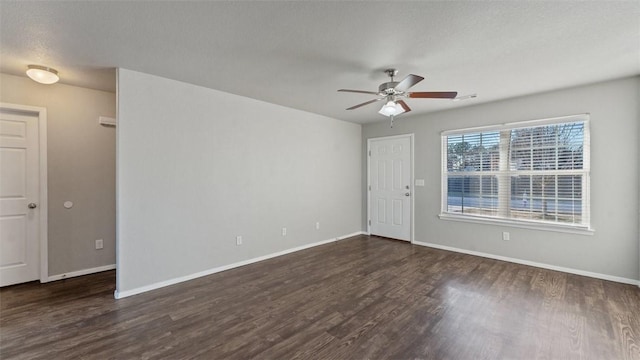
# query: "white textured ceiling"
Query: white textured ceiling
298,53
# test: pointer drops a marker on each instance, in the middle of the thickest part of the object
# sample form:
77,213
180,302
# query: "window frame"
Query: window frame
584,228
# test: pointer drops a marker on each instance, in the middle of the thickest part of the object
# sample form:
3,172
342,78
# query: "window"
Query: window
530,173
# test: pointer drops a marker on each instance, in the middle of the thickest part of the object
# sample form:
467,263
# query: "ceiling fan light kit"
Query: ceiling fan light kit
391,108
393,92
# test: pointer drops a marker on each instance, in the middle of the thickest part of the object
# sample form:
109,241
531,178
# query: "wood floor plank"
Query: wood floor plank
360,298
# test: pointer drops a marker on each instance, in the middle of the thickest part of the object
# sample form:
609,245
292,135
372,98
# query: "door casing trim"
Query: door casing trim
411,138
41,113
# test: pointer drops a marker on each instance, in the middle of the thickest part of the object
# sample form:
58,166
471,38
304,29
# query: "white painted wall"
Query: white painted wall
196,167
615,112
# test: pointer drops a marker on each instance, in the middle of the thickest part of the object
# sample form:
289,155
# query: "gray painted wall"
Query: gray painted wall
612,250
81,168
197,167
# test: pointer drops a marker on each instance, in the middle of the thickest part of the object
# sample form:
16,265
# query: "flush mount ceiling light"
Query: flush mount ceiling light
42,74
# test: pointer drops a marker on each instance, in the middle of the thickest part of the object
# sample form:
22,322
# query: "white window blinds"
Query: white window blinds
533,172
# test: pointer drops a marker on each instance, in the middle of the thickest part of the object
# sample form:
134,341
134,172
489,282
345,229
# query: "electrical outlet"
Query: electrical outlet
505,236
318,226
238,240
284,231
99,244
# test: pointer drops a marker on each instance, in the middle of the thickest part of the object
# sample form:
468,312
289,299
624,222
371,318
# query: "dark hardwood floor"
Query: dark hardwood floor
360,298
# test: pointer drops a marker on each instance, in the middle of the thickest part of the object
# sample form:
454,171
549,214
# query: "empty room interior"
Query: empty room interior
320,180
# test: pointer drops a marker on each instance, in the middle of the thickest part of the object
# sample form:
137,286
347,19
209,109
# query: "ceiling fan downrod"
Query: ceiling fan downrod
391,73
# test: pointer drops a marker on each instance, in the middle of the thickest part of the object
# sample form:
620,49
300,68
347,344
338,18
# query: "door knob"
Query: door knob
407,194
32,206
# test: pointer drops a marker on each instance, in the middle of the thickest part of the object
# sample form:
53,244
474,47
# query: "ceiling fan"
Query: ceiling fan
393,93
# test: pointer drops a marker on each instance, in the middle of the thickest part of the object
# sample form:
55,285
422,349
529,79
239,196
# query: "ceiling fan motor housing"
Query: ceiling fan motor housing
388,88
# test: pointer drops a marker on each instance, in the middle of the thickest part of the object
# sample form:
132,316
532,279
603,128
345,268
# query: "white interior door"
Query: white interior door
19,198
390,189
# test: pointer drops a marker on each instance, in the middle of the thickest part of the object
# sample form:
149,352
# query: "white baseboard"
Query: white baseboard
81,272
122,294
533,263
348,236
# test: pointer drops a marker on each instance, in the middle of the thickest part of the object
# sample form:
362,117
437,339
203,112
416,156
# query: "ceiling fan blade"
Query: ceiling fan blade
433,94
359,91
364,103
404,106
408,82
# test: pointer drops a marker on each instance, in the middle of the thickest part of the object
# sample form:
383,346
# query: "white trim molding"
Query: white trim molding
519,124
412,190
122,294
532,263
563,228
41,112
82,272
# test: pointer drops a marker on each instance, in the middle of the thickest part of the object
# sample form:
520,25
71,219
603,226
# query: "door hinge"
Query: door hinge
369,222
369,152
369,187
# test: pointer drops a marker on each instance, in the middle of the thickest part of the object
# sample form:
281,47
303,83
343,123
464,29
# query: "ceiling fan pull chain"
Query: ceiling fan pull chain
392,121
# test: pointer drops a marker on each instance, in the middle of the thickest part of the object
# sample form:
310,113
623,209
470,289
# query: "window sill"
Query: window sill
519,224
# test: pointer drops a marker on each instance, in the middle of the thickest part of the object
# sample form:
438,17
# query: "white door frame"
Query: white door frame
41,113
411,138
